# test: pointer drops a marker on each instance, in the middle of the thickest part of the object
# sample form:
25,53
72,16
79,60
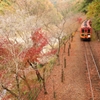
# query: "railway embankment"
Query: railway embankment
75,84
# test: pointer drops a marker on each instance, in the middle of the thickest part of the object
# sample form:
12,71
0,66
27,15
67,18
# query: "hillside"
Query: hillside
41,52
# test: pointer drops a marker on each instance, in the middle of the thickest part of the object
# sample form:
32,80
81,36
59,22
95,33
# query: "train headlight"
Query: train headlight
89,36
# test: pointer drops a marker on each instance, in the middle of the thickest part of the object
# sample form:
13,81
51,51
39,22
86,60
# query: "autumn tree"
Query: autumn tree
34,55
6,6
63,26
20,54
85,5
94,14
9,63
15,60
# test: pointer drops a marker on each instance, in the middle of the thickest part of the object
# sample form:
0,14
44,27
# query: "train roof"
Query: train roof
86,23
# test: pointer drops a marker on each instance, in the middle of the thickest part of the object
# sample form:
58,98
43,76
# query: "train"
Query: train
86,30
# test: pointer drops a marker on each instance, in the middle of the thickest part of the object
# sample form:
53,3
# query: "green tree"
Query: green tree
94,13
6,5
85,5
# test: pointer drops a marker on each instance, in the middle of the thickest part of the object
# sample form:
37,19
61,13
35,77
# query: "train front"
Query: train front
85,32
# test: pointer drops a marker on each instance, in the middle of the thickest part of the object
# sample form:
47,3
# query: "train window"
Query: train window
82,30
82,34
88,30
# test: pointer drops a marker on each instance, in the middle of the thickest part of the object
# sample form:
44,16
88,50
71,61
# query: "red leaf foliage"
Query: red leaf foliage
4,52
32,53
39,39
7,97
8,50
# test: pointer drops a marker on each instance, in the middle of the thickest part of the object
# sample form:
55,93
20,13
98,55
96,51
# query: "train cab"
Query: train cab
85,31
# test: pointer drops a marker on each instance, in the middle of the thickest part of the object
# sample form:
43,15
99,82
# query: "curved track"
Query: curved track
93,72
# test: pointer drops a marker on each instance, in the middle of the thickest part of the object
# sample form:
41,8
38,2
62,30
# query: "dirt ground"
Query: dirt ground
75,85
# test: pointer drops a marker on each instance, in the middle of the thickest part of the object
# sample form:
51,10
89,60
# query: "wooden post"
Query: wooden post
68,52
45,91
64,62
64,47
54,93
62,75
69,47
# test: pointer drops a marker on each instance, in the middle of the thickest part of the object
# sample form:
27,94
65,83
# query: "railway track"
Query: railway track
93,72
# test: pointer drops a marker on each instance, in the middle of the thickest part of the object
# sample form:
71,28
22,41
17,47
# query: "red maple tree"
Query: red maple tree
33,53
10,55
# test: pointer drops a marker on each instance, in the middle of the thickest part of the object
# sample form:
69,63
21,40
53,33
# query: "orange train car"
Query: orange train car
86,30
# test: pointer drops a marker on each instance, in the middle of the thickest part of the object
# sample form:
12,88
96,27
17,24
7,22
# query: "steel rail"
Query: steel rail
91,87
94,62
89,51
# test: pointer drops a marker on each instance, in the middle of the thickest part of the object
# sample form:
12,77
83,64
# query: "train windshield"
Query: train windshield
88,30
82,30
85,30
